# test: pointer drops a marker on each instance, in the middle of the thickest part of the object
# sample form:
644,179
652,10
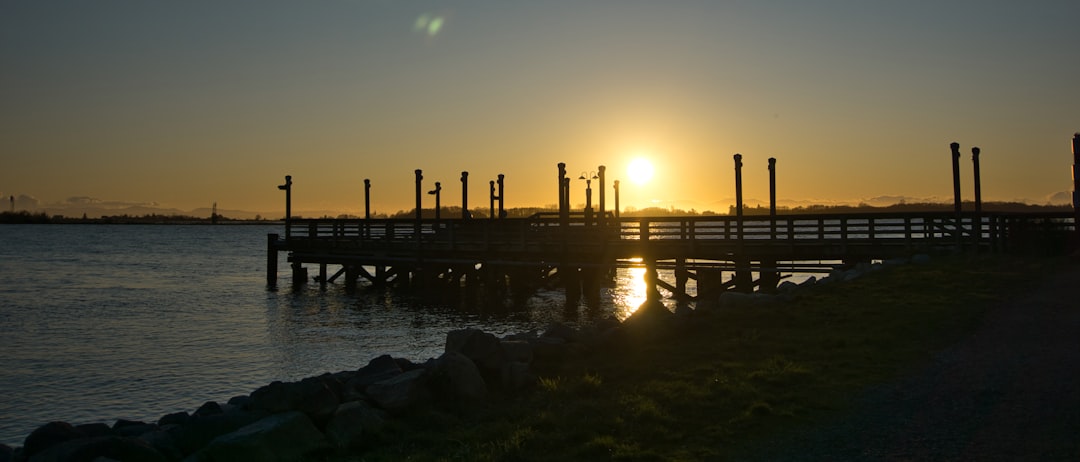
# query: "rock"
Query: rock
809,281
377,370
920,259
242,402
49,435
164,443
200,430
94,429
482,348
649,313
549,349
287,436
132,428
732,299
787,286
352,422
517,376
560,330
851,275
517,351
208,408
176,418
312,396
119,448
400,392
7,453
456,379
273,398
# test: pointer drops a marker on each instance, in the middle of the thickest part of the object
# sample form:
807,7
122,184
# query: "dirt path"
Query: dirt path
1010,391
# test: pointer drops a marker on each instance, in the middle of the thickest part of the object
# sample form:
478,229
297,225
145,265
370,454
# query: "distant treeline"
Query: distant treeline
452,212
24,217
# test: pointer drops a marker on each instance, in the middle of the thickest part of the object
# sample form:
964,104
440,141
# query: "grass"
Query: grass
726,380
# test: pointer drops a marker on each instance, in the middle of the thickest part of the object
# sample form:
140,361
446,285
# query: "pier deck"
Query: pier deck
450,249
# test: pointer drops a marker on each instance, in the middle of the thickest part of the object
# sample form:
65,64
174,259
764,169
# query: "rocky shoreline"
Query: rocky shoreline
335,412
317,415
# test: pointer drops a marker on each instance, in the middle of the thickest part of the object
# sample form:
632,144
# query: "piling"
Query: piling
600,176
502,204
955,147
287,187
367,199
616,184
465,195
1076,186
419,206
271,260
744,280
977,226
769,277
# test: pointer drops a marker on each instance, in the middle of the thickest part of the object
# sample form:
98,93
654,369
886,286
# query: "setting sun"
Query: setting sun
640,171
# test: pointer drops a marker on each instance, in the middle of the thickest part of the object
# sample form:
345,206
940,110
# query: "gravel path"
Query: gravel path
1010,391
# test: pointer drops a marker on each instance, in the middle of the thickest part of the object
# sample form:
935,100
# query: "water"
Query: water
103,322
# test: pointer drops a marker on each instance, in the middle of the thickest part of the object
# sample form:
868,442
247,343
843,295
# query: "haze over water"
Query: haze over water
103,322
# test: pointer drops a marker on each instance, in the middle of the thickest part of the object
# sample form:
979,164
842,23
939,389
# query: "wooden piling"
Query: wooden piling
271,260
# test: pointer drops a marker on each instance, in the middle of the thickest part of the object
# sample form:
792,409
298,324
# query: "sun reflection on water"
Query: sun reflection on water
630,293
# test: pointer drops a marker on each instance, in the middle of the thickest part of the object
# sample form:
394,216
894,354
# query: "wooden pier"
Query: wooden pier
578,251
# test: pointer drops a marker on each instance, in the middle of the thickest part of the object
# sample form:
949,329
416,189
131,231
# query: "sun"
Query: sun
640,171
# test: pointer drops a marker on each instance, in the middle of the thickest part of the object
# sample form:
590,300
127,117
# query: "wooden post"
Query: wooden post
977,226
616,198
491,196
271,260
1076,186
744,281
367,199
564,201
287,187
416,227
465,195
502,197
955,147
600,175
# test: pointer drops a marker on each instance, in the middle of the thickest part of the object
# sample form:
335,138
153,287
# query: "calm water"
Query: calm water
102,322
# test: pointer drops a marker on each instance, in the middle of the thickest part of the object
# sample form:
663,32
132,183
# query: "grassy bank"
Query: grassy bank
707,386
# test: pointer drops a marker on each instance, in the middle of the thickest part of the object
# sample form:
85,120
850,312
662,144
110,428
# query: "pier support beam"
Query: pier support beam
271,260
977,225
958,227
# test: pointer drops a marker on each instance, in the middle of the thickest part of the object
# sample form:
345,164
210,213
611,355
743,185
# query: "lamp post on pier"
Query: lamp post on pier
437,192
588,177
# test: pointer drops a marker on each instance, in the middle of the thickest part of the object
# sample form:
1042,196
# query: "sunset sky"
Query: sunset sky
183,104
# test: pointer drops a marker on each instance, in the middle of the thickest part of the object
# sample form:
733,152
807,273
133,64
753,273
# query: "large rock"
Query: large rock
517,376
377,370
164,443
312,396
352,422
198,431
49,435
120,448
288,436
520,351
481,347
456,379
401,392
7,453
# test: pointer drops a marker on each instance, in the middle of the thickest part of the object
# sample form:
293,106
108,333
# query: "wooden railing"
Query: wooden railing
994,230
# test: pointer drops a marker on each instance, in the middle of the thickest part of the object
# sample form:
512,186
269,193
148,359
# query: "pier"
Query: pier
579,250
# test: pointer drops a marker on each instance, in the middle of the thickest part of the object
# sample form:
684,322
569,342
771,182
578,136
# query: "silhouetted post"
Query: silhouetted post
772,196
13,204
978,198
1076,185
287,187
271,260
367,199
437,192
502,203
465,196
955,147
743,279
588,177
738,195
491,184
564,201
600,175
616,198
419,193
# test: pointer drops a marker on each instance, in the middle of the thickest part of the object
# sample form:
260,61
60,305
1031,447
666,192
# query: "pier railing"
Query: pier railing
710,235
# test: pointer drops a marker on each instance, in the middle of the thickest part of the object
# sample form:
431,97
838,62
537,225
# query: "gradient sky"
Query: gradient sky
182,104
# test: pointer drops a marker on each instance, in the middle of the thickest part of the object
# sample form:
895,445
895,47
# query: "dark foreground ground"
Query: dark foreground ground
1009,392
